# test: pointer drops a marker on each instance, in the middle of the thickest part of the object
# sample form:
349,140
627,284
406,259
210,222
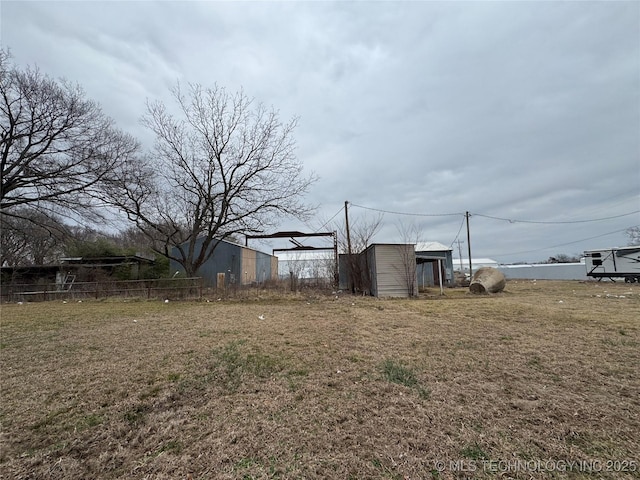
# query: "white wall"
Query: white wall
550,271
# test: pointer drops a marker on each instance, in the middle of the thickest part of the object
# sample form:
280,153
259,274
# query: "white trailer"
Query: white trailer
612,263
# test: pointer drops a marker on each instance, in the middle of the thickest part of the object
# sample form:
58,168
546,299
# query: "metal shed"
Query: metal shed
392,269
434,264
240,265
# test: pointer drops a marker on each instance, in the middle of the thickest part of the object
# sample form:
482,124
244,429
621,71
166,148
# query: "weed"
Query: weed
231,365
396,372
51,418
137,414
535,362
474,452
424,393
91,420
173,446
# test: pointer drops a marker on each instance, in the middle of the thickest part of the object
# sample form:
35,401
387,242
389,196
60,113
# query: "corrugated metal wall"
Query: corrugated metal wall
264,263
428,271
240,265
226,259
248,266
393,270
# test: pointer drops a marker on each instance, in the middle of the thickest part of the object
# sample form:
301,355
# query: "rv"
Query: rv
612,263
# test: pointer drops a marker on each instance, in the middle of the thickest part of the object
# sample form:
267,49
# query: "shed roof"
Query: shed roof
432,247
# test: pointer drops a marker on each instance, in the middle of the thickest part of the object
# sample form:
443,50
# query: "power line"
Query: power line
329,221
459,230
492,217
564,222
563,244
406,213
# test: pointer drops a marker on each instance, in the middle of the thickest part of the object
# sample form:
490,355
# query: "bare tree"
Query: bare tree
31,238
634,235
57,149
362,230
410,234
222,167
563,258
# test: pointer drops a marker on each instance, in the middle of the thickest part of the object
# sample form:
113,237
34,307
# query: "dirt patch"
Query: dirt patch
539,381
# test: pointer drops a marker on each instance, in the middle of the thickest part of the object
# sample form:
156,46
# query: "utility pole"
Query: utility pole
346,221
469,246
460,242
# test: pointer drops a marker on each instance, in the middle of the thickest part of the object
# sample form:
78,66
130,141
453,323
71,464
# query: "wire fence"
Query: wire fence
163,288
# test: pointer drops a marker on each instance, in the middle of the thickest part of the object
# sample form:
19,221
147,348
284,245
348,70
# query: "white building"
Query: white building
476,263
306,264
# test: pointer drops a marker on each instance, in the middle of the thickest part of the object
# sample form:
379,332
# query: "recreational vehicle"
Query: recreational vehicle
612,263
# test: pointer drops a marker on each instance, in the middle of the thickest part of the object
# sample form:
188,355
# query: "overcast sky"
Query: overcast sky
514,110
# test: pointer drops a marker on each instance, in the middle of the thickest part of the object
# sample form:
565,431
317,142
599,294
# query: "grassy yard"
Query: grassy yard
540,381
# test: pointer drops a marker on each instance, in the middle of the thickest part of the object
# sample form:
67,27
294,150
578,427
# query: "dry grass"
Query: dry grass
352,387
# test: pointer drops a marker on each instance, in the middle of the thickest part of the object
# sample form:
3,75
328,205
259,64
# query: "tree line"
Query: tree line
222,166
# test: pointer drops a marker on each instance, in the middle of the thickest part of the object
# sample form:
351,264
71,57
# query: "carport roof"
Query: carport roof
432,247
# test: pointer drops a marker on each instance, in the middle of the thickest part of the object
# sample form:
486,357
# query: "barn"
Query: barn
233,264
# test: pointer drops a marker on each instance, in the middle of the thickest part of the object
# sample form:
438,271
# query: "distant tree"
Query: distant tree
563,258
100,247
31,238
222,167
58,151
634,235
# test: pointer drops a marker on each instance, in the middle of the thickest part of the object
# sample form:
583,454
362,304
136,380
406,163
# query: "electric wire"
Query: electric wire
563,222
329,221
492,217
458,234
407,214
563,244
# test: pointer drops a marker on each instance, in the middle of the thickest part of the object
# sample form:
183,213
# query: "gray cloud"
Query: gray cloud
517,110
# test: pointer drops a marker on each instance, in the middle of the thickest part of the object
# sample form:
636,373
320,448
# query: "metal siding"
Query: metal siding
390,270
263,267
226,259
274,268
343,271
370,260
248,266
427,277
424,272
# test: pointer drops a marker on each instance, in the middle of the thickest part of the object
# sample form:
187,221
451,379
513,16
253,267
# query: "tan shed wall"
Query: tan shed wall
389,269
248,266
